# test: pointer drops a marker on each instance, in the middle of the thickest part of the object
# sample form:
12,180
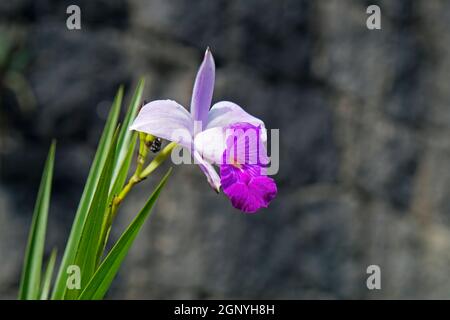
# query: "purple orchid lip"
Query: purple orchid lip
247,189
245,183
203,130
244,145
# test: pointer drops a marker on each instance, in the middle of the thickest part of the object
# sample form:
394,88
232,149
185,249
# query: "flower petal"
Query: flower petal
203,89
165,119
226,113
210,144
247,189
211,174
244,143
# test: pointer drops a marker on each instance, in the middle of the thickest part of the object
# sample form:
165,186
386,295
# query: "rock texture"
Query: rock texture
364,120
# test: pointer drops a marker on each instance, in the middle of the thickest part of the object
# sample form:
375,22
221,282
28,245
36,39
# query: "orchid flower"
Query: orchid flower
211,135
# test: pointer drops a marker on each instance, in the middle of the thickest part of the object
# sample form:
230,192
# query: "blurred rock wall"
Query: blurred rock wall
364,119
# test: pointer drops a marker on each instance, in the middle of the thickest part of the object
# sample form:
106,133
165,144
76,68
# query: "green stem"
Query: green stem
145,141
139,174
157,161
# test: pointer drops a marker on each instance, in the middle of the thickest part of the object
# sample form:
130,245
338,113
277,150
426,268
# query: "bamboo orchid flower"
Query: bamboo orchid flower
217,135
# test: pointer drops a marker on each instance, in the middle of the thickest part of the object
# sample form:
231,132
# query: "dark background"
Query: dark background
364,119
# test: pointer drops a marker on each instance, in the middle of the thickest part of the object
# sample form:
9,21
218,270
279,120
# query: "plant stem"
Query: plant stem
156,162
140,173
145,142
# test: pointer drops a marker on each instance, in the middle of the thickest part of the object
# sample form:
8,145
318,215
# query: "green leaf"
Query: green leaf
31,274
125,136
101,281
122,174
124,155
90,240
117,186
48,276
88,194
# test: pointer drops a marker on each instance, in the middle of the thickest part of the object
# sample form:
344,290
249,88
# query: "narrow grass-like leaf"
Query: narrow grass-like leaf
48,276
31,274
122,174
90,240
125,135
124,155
101,281
88,193
117,186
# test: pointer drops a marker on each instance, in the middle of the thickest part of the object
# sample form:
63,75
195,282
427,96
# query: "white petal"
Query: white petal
165,119
210,144
224,113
